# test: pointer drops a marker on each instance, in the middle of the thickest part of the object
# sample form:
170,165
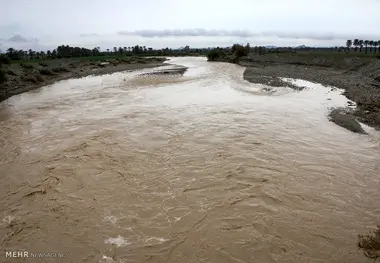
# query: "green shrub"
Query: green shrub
43,64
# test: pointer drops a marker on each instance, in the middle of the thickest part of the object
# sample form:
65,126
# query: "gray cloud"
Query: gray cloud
199,32
196,32
18,39
89,35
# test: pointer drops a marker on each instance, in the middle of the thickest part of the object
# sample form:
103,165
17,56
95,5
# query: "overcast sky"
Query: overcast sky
45,24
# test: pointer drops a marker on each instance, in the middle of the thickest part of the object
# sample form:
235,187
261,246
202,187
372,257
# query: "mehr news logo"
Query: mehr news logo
26,254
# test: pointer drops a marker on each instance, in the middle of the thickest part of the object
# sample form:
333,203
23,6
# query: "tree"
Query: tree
370,45
48,53
137,49
366,42
360,45
114,49
247,49
10,52
348,45
375,44
215,54
378,43
356,44
125,50
96,51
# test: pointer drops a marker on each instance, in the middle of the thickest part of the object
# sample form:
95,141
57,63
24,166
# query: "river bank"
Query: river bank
25,77
359,77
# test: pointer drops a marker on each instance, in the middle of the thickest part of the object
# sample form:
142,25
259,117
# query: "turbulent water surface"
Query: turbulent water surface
203,167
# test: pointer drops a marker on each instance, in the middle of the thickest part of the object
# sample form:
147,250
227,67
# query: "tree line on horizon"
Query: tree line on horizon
66,51
359,44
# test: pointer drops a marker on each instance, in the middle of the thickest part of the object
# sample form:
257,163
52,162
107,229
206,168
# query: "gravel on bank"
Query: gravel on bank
360,82
28,77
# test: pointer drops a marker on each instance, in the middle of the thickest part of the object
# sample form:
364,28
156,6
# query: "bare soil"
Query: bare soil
359,77
26,77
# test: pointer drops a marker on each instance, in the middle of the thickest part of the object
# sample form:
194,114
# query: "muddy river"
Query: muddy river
203,167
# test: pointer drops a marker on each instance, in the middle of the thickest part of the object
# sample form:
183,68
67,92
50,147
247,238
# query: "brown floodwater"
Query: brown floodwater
203,167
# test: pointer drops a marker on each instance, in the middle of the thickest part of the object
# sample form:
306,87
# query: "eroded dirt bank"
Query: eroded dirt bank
25,77
359,78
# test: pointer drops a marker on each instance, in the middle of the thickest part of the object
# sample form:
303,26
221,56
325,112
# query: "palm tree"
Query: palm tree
125,50
356,44
108,50
375,44
370,45
349,44
115,49
360,45
366,42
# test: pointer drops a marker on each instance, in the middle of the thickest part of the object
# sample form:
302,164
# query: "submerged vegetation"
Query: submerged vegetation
370,244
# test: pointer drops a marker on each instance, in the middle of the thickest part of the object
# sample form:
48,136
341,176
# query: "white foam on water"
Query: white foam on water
106,259
119,241
155,240
112,219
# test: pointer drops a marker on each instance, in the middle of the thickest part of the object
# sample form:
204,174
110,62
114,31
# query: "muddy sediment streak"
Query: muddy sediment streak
199,167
